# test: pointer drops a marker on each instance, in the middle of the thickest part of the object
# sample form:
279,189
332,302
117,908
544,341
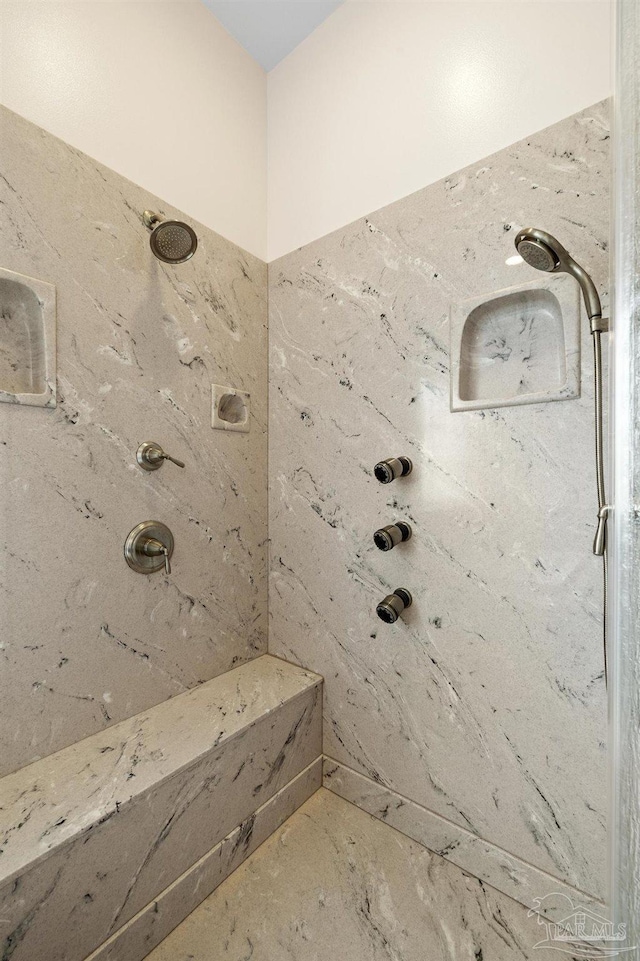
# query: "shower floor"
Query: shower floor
335,884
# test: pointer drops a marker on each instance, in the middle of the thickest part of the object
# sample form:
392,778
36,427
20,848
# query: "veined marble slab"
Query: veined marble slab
503,871
86,642
150,926
486,702
94,833
334,882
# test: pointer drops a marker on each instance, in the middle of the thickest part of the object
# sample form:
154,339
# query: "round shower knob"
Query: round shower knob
386,538
387,470
148,548
390,609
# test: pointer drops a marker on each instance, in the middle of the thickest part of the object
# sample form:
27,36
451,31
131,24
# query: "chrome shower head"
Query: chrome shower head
537,255
171,241
542,251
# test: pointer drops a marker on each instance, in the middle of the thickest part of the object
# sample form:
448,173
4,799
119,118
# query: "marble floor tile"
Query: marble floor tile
334,883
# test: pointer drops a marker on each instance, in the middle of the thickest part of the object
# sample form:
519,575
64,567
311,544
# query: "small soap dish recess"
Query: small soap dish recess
27,340
517,346
229,409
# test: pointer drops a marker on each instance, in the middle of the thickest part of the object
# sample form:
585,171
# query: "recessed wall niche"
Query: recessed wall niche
517,346
27,340
230,409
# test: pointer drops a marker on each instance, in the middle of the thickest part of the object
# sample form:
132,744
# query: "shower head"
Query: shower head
542,251
171,240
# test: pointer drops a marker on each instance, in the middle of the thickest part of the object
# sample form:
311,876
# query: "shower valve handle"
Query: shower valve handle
155,548
150,456
173,460
148,548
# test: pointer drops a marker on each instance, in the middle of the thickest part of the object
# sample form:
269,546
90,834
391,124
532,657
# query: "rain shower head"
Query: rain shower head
542,251
171,241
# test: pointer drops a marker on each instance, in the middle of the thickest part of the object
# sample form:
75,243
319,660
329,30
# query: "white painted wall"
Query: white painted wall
157,90
387,97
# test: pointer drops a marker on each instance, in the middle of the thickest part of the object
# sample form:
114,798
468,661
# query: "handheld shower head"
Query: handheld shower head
542,251
171,241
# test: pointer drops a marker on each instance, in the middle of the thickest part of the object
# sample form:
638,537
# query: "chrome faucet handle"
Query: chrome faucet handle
150,456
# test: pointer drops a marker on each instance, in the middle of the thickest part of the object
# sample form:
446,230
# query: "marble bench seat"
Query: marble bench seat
90,837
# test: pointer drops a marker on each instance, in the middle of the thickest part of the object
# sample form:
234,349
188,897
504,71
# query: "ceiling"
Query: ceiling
270,29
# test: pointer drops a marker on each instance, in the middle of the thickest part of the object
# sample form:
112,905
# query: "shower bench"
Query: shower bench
109,843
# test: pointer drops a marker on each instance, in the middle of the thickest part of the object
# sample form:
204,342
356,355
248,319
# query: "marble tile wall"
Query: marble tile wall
93,834
85,641
485,705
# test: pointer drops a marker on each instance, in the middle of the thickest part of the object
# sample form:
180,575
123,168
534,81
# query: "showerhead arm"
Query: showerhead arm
150,219
542,251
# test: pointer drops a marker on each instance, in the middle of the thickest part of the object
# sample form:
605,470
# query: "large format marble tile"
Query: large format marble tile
94,833
333,882
486,703
86,642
